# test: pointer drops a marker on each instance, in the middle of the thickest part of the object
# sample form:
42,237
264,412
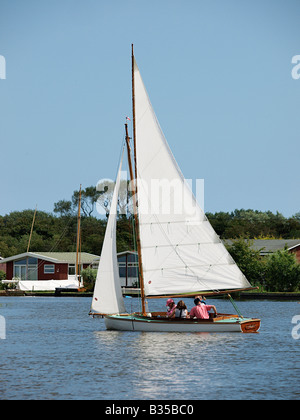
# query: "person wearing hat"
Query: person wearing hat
171,308
200,311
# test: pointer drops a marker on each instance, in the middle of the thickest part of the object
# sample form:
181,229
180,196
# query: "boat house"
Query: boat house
49,270
46,270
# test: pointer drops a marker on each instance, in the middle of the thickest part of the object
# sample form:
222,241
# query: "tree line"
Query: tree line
255,224
57,232
278,272
53,232
228,225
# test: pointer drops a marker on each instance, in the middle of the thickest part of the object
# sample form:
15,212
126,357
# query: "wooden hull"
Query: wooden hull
222,323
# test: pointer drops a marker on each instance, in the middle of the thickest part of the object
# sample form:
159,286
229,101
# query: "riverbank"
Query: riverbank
133,292
271,295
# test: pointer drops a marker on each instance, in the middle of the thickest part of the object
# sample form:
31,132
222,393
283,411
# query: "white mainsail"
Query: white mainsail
108,297
181,253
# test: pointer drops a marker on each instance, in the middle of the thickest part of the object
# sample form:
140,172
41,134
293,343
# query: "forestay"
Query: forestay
108,297
181,253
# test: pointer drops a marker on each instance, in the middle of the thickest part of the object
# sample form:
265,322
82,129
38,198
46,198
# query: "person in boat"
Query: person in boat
181,310
202,299
171,308
200,310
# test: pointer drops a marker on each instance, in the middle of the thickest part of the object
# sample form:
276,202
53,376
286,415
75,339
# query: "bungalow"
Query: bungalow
269,246
46,270
49,270
128,268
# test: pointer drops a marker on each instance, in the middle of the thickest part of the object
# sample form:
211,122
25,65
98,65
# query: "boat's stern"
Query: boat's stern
250,325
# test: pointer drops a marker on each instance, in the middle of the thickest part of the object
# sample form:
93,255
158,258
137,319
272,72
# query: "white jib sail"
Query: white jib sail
108,297
181,253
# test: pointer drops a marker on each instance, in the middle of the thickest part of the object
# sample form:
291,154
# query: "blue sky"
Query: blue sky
218,73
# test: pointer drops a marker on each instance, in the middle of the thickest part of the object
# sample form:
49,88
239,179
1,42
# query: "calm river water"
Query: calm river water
54,350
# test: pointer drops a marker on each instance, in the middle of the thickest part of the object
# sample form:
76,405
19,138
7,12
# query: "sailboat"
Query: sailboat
179,253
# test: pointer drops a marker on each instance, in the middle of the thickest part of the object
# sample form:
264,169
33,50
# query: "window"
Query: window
128,266
72,270
133,270
26,269
20,262
49,269
122,269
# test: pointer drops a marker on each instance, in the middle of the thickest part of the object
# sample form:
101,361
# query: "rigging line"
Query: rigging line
135,249
235,306
121,154
41,263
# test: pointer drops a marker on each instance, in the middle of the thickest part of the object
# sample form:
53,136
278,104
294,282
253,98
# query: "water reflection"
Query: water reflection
173,362
162,365
70,356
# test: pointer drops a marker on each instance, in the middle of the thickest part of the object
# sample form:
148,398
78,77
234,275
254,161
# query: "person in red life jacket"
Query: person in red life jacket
171,307
200,311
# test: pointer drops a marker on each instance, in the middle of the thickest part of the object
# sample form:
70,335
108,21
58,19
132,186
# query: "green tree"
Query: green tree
220,222
89,278
255,224
63,208
282,272
89,197
248,260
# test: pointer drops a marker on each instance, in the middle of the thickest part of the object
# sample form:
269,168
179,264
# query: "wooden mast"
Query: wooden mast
133,114
30,236
78,246
32,228
134,183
